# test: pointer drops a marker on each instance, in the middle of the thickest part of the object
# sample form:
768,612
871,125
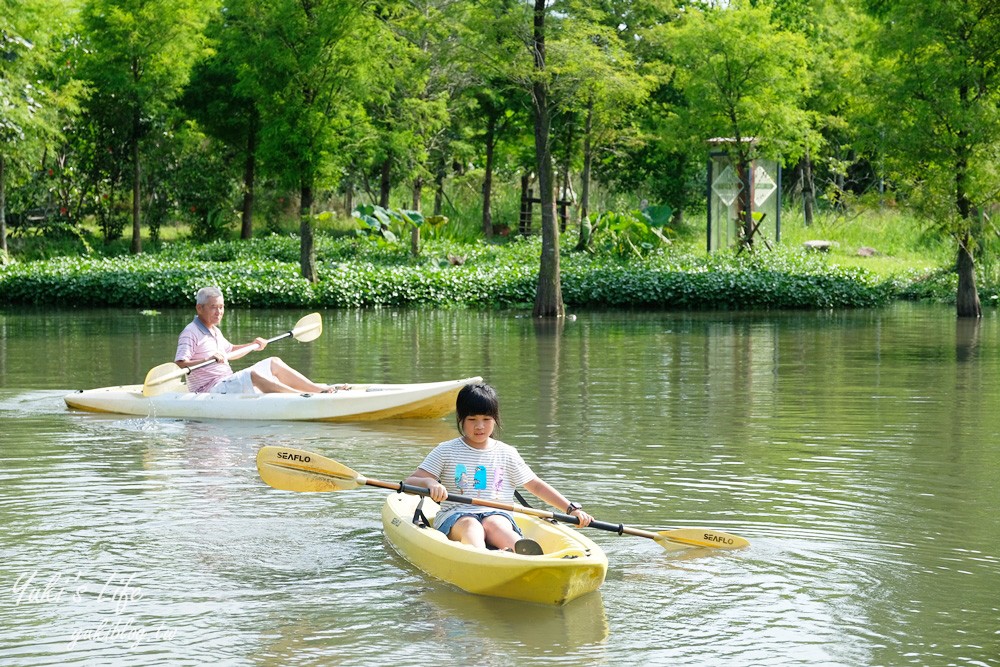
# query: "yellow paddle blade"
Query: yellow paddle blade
158,377
702,537
309,328
291,469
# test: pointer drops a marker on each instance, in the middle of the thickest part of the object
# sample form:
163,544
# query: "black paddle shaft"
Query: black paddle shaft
466,500
209,362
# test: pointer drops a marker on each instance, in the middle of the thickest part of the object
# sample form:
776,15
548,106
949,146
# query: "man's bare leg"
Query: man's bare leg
288,380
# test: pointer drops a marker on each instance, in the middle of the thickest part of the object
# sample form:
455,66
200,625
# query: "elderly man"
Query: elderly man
203,340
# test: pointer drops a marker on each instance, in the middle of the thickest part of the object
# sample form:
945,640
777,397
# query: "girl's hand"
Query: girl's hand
583,517
438,492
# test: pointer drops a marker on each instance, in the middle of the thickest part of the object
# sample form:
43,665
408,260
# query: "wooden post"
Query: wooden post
524,224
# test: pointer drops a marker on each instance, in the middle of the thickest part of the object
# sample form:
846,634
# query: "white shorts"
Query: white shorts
241,382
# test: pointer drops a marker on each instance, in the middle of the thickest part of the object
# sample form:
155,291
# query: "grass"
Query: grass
904,251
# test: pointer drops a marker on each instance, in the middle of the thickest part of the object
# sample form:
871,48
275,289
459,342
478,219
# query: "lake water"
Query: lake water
859,452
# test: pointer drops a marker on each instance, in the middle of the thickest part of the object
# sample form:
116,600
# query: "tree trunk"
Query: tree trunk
349,195
838,201
588,161
808,190
249,175
564,190
3,206
136,188
491,127
418,189
418,193
967,300
548,298
565,186
307,249
439,188
745,199
385,184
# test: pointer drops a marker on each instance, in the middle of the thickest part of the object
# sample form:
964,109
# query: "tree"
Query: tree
141,54
217,97
638,150
494,64
837,32
311,59
938,108
495,110
743,80
410,109
548,297
34,99
599,86
18,106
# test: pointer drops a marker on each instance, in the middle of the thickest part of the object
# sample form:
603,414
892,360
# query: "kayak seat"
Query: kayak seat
419,518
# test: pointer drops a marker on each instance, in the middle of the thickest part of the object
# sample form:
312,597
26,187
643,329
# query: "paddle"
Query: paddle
307,329
292,469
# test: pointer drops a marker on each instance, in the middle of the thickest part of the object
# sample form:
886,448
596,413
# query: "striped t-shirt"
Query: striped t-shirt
488,474
197,341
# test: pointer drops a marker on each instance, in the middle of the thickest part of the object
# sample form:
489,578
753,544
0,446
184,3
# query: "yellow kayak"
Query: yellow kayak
571,565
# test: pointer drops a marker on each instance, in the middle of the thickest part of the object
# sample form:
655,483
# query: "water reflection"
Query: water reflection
966,338
855,450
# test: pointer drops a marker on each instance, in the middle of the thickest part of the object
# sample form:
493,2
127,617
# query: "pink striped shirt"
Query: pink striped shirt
197,341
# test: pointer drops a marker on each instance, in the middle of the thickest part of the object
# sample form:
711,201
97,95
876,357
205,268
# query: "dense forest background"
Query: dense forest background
128,115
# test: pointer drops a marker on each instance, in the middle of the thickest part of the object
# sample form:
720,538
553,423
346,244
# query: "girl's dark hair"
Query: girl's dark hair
477,399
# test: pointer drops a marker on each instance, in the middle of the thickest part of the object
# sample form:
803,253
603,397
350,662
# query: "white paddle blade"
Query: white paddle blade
309,328
171,386
158,377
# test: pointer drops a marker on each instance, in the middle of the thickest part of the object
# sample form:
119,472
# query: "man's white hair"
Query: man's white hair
206,294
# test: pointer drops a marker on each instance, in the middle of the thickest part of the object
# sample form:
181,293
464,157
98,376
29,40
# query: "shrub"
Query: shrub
357,273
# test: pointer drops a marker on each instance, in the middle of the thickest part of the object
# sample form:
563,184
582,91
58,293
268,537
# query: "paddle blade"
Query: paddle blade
702,537
158,377
309,328
291,469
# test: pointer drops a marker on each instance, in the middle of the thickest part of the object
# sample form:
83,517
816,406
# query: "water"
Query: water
857,451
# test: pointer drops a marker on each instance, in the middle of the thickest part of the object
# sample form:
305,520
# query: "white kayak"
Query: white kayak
361,402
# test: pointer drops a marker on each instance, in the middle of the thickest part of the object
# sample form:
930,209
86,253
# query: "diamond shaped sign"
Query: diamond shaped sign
764,186
727,186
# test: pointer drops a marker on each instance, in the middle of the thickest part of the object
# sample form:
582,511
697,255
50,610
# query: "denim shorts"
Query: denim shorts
449,523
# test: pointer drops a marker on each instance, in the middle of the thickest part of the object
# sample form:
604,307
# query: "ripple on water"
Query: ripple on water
853,450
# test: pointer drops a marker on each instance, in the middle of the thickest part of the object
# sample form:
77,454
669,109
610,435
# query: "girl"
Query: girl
477,465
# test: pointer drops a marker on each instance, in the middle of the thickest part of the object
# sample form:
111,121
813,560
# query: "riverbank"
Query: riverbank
358,272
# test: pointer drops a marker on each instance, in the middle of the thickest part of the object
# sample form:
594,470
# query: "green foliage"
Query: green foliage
631,234
331,95
204,188
742,78
934,109
139,57
375,220
389,224
355,273
37,100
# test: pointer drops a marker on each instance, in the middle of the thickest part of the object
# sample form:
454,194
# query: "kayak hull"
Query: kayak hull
572,565
362,402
